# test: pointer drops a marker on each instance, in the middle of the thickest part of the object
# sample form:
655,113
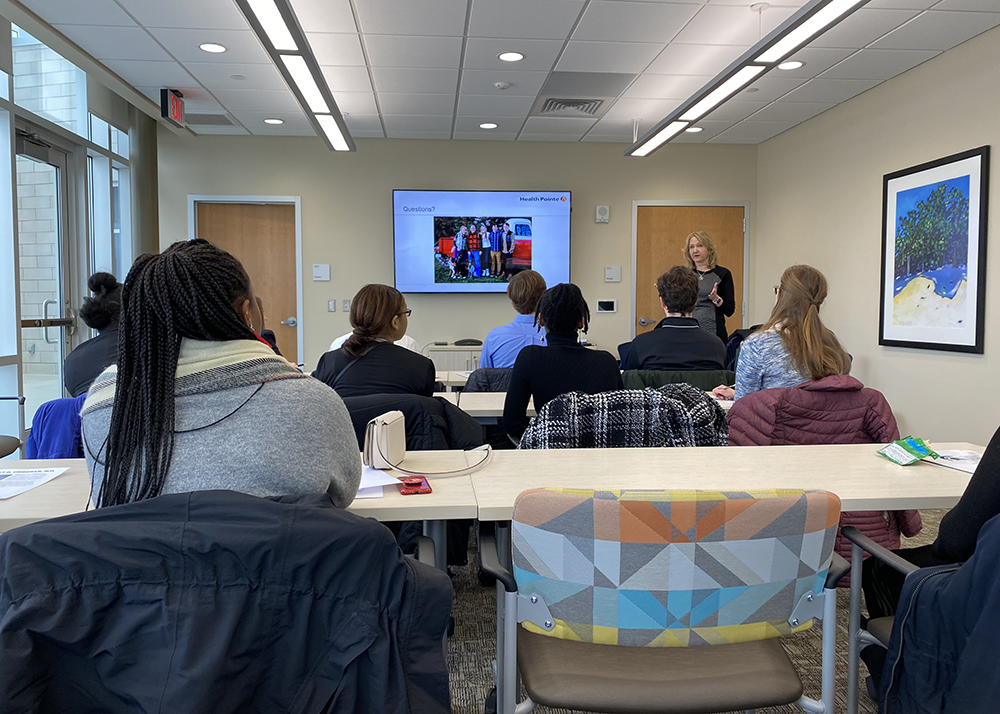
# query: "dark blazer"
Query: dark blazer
542,373
727,291
217,601
89,359
676,343
386,369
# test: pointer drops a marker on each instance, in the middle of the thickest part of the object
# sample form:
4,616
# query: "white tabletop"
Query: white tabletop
487,404
863,479
448,396
452,379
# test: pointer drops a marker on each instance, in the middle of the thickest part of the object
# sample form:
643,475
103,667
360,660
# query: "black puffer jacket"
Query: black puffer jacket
217,601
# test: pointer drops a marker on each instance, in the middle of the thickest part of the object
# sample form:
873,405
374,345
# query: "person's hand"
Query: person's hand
724,392
714,295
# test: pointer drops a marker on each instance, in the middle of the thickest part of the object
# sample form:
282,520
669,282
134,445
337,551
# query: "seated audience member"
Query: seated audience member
100,312
503,343
677,342
563,365
368,362
199,402
406,342
793,346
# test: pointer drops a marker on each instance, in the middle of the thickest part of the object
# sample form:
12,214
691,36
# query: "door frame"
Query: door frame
194,199
746,248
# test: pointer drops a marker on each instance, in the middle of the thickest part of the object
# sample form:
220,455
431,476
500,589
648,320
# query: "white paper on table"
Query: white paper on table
959,459
370,478
464,374
16,481
373,492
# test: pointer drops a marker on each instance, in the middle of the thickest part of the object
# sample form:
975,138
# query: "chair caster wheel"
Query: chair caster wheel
491,702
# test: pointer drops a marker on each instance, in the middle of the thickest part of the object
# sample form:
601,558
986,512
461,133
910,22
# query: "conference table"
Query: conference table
452,380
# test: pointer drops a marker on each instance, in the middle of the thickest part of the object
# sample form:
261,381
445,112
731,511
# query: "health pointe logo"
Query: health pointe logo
546,199
563,199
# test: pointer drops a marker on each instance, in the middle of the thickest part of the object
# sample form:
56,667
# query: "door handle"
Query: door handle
644,321
291,322
45,319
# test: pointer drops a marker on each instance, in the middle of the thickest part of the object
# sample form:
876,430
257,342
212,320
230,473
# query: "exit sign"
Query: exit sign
172,106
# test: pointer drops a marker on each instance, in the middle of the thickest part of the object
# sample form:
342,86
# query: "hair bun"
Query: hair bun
102,283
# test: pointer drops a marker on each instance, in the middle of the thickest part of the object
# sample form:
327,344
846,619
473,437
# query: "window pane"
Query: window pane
121,221
99,131
101,239
47,84
119,142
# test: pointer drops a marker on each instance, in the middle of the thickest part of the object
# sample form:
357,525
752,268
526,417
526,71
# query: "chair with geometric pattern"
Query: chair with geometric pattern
663,601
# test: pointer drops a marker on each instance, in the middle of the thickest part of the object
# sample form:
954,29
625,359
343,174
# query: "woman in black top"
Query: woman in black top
368,363
716,294
100,313
563,365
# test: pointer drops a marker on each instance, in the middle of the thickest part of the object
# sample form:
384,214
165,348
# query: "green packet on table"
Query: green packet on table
907,451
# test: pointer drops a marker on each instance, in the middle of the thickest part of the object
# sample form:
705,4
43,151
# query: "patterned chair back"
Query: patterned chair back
672,568
672,415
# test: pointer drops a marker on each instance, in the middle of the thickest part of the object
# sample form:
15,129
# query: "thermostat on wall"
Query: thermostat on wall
607,306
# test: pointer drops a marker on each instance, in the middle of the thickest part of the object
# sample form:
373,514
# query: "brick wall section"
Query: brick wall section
46,84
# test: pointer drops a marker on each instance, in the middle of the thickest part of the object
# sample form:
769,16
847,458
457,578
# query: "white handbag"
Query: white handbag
385,441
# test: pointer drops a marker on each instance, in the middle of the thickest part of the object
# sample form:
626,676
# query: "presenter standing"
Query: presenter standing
716,298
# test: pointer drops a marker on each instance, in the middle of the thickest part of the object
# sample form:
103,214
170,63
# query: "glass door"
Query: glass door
41,220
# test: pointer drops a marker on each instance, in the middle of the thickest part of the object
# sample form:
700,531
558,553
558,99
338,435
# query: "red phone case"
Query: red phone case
414,484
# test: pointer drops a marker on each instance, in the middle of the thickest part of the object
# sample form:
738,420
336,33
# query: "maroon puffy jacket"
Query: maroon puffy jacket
833,410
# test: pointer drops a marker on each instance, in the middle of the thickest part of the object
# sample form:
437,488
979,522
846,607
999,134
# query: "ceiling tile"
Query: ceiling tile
324,15
220,130
728,25
481,135
831,90
404,51
557,125
816,60
424,81
115,43
794,4
939,30
505,125
500,106
735,111
665,86
861,28
347,79
606,139
196,99
368,134
268,100
420,135
337,49
905,4
140,73
633,21
417,104
74,12
774,85
981,5
399,122
878,64
696,59
616,128
413,17
220,76
481,81
755,130
650,110
296,123
549,137
243,46
363,122
481,53
607,56
185,14
792,111
552,19
356,102
710,129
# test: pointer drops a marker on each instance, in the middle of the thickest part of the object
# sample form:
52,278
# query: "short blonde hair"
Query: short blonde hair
706,241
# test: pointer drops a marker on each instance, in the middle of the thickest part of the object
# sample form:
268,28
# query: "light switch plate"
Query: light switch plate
331,306
347,305
321,272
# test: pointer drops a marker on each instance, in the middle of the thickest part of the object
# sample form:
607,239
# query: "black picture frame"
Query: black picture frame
933,279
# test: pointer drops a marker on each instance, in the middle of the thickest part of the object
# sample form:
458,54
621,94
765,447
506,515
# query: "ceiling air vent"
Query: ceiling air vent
570,107
208,120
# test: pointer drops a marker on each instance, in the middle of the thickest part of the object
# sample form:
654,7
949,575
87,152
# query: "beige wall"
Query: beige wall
820,202
347,210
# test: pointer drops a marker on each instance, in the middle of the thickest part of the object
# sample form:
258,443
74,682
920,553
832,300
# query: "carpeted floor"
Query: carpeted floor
472,649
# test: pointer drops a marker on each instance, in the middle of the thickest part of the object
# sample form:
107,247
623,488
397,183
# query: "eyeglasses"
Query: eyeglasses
407,312
776,288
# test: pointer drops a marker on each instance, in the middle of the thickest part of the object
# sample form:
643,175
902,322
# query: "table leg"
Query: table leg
437,531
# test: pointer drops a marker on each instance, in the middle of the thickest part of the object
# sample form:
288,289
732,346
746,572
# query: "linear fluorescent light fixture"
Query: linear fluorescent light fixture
812,20
278,30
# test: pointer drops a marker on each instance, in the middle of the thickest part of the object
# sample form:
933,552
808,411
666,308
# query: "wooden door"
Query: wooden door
263,238
661,232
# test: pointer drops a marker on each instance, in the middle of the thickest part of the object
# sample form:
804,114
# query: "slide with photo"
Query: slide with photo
475,241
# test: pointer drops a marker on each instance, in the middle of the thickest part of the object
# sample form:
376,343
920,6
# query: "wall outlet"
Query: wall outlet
347,305
331,306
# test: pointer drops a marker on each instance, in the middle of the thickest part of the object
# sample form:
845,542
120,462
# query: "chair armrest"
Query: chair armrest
838,569
884,554
425,551
489,560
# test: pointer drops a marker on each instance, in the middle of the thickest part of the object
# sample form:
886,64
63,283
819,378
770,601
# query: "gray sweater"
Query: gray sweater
293,436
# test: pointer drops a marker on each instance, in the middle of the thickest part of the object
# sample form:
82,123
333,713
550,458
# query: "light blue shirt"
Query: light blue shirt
504,342
764,363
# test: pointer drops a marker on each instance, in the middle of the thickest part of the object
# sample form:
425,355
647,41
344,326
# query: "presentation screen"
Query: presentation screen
475,241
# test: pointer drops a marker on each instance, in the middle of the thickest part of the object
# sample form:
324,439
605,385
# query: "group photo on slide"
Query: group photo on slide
483,249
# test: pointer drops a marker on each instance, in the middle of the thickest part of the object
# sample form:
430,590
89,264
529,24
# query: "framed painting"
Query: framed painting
934,254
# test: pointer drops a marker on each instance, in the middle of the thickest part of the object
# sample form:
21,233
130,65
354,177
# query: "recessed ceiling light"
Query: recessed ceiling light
488,125
274,121
213,47
791,64
238,77
751,90
693,129
510,56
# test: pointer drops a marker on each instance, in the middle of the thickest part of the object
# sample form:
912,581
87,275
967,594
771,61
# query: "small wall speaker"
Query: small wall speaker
603,214
607,306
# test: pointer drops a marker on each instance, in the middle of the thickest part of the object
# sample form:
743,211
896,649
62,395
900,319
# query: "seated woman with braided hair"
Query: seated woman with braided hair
198,401
368,362
562,365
